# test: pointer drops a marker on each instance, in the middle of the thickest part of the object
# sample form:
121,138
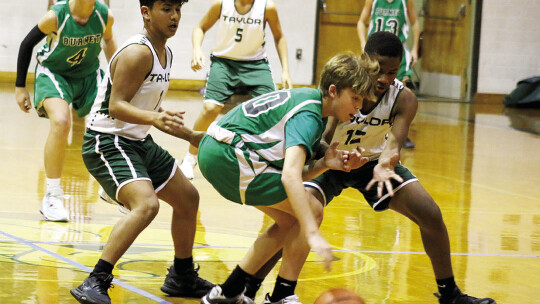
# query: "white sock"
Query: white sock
53,184
192,158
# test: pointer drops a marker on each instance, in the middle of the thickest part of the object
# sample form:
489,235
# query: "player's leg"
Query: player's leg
414,202
182,279
219,87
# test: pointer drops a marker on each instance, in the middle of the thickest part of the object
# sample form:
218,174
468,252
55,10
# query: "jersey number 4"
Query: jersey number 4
77,58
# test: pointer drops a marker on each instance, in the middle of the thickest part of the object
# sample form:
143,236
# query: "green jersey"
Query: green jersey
260,124
74,49
390,16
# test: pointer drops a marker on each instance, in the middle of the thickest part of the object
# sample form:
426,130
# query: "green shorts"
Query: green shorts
332,182
115,161
80,92
405,68
225,75
239,175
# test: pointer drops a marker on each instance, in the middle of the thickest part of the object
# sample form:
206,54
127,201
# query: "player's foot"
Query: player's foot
186,284
104,196
94,289
187,166
460,298
287,300
251,289
216,296
52,206
408,144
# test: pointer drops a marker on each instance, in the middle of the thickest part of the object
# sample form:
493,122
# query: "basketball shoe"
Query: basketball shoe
187,166
216,296
104,196
460,298
94,289
186,284
52,206
293,299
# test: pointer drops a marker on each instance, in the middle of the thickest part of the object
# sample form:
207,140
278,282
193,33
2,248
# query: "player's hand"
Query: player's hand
286,80
197,62
356,160
343,160
170,122
383,173
322,248
23,99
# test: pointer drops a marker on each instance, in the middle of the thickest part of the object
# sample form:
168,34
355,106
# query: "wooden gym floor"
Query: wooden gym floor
479,162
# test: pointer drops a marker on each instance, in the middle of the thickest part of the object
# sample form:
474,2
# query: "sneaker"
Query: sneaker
187,284
460,298
94,289
52,206
216,296
104,196
408,144
293,299
187,166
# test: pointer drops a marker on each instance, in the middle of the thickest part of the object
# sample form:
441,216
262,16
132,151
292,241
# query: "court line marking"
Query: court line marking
87,269
336,250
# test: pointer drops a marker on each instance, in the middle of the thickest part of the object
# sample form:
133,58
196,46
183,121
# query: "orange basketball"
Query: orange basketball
339,296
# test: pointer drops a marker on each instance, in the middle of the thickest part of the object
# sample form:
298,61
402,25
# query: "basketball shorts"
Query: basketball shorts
332,182
115,161
80,92
225,75
239,175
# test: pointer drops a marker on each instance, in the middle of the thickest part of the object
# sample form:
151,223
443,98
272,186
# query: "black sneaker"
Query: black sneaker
408,144
94,289
460,298
187,284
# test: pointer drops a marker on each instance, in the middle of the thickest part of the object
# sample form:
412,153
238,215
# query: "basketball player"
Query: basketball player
380,128
67,73
260,152
395,16
130,166
238,58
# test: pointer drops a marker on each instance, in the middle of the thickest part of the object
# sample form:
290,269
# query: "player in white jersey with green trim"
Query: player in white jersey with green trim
380,129
67,73
130,166
238,58
260,152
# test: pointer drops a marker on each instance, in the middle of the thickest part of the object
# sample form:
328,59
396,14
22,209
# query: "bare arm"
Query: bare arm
363,23
211,17
280,42
404,113
109,43
291,178
415,25
128,71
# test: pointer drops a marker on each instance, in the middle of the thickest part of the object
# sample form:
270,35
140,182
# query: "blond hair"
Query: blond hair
349,70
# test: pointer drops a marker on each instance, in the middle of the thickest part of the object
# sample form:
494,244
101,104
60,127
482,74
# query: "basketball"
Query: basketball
339,296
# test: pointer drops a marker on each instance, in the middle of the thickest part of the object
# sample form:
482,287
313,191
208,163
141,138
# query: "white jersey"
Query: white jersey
369,130
148,97
241,36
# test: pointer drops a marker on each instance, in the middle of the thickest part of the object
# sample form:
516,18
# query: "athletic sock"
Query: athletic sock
52,184
235,283
283,289
252,286
181,265
446,286
103,266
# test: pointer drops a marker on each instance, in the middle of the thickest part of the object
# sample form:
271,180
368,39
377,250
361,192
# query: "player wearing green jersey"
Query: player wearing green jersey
67,73
260,152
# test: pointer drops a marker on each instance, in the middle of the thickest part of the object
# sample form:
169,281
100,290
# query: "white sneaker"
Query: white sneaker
104,196
215,296
187,166
292,299
52,206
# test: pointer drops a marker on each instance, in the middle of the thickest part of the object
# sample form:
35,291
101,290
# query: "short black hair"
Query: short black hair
150,3
384,44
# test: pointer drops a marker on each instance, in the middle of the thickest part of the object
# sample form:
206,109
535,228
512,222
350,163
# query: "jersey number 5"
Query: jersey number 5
77,58
238,37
